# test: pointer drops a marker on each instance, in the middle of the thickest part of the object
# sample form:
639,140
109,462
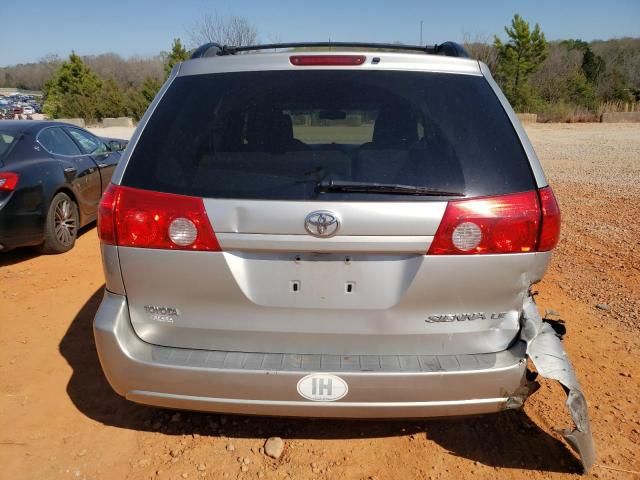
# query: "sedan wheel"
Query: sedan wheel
61,228
66,223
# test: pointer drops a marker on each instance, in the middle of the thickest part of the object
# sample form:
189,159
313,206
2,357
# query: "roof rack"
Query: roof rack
449,49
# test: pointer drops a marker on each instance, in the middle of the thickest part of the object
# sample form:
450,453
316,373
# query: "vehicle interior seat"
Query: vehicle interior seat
383,159
396,154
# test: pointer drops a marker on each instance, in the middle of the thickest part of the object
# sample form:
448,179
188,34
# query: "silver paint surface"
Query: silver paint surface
545,350
255,383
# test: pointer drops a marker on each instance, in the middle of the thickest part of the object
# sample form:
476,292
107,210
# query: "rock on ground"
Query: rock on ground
274,447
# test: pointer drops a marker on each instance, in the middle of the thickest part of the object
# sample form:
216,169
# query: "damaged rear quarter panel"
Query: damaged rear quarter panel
545,350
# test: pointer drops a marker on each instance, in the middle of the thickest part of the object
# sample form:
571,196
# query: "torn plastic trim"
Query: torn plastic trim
545,350
517,399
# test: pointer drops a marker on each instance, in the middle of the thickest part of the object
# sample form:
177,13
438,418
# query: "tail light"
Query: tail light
326,60
550,231
129,217
515,223
8,181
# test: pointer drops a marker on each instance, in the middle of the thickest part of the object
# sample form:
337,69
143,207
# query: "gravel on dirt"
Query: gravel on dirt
59,419
594,170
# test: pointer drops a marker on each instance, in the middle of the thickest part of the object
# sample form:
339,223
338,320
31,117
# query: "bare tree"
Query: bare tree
232,30
132,71
481,48
51,58
30,76
552,79
274,38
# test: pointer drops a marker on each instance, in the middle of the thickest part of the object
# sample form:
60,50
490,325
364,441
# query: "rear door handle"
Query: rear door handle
103,165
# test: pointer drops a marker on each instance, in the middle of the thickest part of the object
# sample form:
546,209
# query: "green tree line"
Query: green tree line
570,75
76,91
554,79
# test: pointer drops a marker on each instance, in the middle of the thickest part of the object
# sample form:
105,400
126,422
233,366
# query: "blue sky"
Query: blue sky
35,28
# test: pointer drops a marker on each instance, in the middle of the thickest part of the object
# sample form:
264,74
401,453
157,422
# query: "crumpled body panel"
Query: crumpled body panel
545,350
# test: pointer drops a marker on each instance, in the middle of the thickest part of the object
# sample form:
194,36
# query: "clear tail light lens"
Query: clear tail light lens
131,217
466,236
503,224
183,232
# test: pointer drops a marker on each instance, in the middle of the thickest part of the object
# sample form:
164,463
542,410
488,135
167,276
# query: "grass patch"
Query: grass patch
355,135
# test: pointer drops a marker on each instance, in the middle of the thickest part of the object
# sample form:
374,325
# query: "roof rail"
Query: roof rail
449,49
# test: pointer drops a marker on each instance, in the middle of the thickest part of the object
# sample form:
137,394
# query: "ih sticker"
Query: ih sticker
322,387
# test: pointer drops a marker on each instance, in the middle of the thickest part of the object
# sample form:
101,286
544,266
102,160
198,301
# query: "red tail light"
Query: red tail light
129,217
320,60
505,224
550,231
106,215
8,181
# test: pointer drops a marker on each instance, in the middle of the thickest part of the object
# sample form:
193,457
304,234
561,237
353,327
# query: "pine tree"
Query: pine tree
592,65
139,99
178,54
518,59
150,88
580,90
73,91
111,102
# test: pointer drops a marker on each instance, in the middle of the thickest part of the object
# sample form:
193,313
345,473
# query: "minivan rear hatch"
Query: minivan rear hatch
324,189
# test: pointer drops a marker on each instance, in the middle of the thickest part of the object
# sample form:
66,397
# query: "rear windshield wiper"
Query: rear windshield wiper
373,187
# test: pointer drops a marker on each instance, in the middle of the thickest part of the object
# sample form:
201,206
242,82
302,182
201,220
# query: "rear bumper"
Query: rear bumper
266,384
19,227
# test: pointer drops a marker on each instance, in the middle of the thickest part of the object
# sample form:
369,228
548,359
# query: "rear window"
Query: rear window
277,134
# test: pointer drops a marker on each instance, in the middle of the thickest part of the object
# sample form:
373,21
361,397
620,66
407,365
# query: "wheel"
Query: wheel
61,227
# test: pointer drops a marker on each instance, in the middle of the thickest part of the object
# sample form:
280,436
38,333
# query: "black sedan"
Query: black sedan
52,176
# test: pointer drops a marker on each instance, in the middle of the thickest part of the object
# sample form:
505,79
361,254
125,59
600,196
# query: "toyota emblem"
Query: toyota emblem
322,224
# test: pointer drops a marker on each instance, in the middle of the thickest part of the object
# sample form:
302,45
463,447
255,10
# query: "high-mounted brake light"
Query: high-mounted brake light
503,224
8,181
327,60
130,217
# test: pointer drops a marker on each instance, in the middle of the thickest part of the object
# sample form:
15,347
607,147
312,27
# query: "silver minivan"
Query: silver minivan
330,233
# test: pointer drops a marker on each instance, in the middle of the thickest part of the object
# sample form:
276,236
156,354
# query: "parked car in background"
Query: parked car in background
28,110
52,175
115,144
17,110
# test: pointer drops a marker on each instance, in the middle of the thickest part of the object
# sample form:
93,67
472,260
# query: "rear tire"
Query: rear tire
61,227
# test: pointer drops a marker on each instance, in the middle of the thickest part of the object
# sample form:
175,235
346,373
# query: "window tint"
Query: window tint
275,135
58,142
88,143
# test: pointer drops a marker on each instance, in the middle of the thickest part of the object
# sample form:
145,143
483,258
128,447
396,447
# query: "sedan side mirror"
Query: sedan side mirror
115,146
